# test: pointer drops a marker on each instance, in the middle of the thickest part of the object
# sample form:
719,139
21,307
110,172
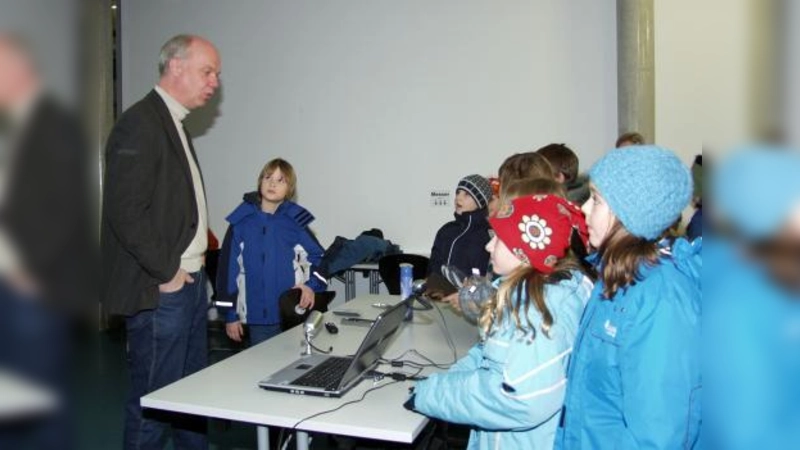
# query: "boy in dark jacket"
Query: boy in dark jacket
461,243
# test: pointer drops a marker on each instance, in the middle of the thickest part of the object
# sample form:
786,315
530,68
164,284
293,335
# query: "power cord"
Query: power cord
400,362
397,377
447,333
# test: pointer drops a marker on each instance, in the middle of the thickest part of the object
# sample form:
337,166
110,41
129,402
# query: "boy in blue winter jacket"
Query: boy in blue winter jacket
267,236
461,243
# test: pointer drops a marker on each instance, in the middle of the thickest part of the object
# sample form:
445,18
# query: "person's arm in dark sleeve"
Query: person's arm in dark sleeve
131,161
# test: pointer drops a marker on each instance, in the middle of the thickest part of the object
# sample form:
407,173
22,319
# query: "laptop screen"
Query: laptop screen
375,342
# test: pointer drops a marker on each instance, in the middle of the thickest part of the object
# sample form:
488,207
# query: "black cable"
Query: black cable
432,363
314,347
400,362
398,376
447,334
351,402
425,304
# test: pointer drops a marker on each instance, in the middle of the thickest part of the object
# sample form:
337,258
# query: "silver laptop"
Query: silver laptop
333,376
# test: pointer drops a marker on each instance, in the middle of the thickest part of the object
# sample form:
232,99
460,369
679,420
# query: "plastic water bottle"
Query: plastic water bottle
406,283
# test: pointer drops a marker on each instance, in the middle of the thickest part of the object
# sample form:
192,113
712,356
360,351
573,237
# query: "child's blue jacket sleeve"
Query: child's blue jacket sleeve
315,253
510,382
520,394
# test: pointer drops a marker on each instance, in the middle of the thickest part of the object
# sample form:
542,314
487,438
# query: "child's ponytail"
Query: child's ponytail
522,287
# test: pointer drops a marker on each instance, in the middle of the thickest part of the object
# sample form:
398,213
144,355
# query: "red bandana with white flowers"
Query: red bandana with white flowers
537,228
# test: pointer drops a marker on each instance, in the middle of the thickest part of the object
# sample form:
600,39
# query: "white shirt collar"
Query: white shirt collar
177,110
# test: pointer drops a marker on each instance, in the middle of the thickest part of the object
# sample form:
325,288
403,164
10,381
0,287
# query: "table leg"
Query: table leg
263,437
374,282
349,285
302,440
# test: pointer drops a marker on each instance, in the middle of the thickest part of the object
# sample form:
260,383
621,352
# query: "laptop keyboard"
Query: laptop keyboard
327,375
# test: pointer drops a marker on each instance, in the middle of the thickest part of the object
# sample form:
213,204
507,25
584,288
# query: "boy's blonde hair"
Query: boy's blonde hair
286,170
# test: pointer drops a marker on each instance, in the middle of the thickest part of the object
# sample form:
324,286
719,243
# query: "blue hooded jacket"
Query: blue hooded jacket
751,364
634,376
510,388
263,245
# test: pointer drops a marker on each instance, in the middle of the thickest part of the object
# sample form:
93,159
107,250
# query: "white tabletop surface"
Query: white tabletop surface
18,397
228,389
364,266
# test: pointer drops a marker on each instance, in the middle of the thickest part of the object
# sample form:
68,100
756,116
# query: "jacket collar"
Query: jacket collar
251,204
465,217
178,111
169,126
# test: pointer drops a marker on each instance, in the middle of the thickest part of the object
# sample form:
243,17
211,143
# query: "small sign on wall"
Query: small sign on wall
440,197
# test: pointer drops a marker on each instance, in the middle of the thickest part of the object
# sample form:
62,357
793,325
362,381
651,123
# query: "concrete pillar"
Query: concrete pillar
635,68
98,46
97,53
768,45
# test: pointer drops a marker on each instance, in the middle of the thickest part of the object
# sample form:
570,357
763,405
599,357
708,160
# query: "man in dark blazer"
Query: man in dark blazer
47,242
154,237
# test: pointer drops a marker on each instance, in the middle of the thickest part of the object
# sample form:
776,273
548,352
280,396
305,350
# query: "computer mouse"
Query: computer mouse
331,327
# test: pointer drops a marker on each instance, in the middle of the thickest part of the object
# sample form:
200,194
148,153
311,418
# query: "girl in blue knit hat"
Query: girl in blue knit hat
634,376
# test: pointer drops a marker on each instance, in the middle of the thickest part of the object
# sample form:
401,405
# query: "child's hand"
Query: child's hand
452,299
235,331
306,296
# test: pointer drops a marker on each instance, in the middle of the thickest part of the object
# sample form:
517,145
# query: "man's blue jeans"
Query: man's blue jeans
164,345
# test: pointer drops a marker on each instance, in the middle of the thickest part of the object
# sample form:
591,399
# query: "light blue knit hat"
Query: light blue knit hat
755,187
645,186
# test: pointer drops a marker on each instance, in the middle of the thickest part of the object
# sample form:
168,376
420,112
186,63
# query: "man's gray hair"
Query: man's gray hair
176,47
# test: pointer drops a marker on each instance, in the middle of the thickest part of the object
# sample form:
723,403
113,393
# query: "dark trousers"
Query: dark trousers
35,347
164,345
261,333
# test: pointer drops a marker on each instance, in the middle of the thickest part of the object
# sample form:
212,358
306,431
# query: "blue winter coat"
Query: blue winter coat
510,388
751,332
264,245
634,376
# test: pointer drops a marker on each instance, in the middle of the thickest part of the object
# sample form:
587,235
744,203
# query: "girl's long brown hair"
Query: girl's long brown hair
524,277
621,257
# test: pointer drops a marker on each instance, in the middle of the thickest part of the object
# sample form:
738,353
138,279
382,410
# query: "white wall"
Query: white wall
378,102
50,27
701,74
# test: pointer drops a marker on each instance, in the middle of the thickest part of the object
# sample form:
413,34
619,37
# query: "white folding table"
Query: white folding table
228,389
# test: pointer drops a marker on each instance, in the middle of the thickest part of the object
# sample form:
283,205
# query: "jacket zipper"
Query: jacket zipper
450,253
